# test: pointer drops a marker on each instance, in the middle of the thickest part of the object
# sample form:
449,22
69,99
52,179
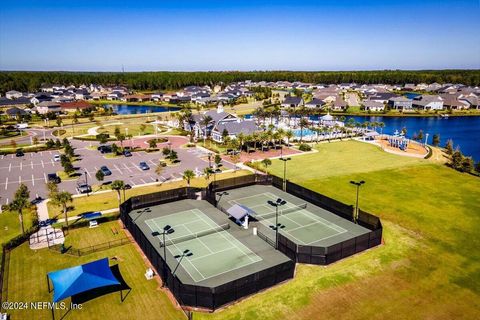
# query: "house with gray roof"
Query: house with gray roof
15,112
12,94
472,100
315,103
48,106
451,102
233,128
370,105
400,103
197,125
427,102
292,102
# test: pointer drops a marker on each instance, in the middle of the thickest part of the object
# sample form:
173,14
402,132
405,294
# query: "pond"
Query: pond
138,109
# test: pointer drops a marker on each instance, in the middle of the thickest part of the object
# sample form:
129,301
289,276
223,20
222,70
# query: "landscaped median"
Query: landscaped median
109,199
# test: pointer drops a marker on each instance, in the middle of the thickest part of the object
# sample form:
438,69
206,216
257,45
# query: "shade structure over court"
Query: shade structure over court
78,279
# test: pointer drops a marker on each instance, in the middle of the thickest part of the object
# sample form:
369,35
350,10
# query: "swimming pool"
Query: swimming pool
306,132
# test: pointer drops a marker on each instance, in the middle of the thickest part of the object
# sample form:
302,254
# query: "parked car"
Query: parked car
19,153
105,170
127,187
56,157
52,177
105,149
127,153
36,200
144,166
83,188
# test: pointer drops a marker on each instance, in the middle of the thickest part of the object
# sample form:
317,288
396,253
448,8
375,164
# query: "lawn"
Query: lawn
27,282
10,223
339,158
101,234
429,267
109,200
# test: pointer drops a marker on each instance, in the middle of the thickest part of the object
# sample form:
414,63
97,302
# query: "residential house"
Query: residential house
12,94
400,103
292,102
22,101
427,102
371,105
156,96
48,106
76,105
339,104
15,112
472,100
382,97
315,103
451,102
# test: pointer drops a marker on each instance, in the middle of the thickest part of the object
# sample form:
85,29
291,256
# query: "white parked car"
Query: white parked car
56,157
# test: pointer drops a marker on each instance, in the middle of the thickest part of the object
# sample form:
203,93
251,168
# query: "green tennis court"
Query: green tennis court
215,250
300,224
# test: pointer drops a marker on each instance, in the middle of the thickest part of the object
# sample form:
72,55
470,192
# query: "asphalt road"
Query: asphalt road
32,169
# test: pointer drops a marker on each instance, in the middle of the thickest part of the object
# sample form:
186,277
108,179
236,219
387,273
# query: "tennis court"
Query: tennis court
215,250
300,224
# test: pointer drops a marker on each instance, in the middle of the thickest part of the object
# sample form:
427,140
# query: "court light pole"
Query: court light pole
357,184
185,253
166,230
279,202
285,172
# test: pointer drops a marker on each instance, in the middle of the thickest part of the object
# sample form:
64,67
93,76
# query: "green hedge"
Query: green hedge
304,147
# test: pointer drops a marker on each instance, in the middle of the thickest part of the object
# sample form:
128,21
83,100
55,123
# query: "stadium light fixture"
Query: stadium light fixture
166,231
357,184
285,172
279,202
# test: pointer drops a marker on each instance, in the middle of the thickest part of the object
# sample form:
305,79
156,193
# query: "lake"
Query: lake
464,131
138,109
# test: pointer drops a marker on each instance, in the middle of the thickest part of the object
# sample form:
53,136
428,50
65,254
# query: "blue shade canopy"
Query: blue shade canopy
71,281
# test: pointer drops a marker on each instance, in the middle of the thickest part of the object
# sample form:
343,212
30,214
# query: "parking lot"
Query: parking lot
32,169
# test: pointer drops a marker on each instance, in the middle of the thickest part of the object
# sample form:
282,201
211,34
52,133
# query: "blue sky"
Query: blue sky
238,35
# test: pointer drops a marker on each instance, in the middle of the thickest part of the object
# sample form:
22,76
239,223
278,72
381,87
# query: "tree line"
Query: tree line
29,81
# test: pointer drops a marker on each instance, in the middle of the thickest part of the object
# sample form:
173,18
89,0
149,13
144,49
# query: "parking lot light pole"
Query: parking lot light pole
279,202
285,172
166,230
357,184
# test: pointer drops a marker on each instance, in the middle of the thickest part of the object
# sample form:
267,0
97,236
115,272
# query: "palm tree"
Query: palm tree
118,185
208,173
241,139
188,175
205,122
266,162
303,123
20,202
381,125
263,138
61,199
248,139
289,135
255,137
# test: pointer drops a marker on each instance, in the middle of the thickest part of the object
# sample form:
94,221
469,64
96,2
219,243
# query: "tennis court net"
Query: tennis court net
282,212
203,233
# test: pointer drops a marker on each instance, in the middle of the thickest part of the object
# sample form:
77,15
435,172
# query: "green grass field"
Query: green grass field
27,281
429,267
10,224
